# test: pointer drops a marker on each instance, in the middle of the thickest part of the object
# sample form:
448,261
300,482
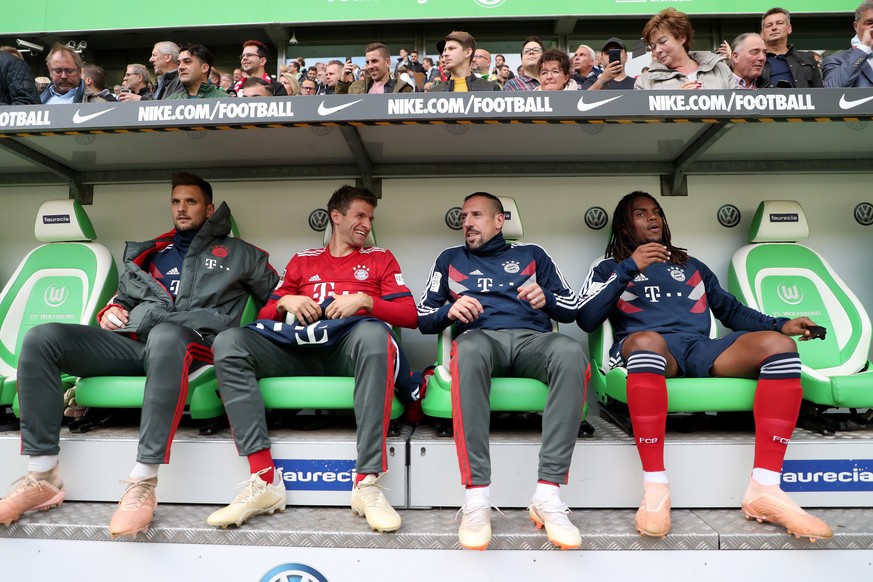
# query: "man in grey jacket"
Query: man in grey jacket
177,292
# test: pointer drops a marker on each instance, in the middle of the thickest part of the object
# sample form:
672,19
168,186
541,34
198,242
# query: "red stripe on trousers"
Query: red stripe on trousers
457,420
389,397
193,352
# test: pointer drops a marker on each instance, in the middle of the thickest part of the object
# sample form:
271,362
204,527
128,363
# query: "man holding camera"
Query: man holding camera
613,56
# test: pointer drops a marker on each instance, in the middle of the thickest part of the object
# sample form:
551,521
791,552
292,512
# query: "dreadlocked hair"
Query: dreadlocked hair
622,241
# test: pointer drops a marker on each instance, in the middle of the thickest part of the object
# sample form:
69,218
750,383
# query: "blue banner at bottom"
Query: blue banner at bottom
828,475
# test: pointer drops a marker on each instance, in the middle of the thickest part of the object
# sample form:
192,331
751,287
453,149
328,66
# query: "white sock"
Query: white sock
475,492
144,471
766,477
655,476
544,490
41,463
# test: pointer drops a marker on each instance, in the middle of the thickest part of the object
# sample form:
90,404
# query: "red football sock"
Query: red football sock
360,477
260,461
777,404
647,402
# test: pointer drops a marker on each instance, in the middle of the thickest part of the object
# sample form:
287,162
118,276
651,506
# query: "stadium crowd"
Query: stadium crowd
753,60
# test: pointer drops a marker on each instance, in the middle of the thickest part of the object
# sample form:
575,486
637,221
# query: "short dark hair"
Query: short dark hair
345,195
189,179
257,81
199,52
428,60
465,39
496,204
262,49
535,39
776,10
554,55
97,75
378,46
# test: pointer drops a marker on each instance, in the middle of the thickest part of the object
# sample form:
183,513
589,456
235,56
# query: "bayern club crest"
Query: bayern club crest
362,272
677,273
511,267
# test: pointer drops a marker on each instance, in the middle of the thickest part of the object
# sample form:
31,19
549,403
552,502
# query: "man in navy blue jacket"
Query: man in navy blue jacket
658,299
502,297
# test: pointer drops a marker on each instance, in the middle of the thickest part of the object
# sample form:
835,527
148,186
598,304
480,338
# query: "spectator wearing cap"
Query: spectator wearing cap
457,58
584,64
65,68
748,57
527,80
613,76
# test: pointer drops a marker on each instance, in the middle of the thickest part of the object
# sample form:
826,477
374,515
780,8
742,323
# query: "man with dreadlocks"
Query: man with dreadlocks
658,299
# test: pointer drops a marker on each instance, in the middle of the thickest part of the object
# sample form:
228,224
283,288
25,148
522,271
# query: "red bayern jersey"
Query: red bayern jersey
316,273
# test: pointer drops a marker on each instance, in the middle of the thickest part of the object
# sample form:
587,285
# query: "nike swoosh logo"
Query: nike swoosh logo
83,118
846,104
322,110
582,106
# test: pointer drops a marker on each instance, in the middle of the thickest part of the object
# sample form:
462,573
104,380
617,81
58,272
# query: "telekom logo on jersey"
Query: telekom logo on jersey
323,291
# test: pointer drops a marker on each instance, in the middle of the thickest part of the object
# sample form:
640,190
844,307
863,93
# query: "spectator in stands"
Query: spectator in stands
414,65
137,78
531,50
501,297
748,58
482,64
17,85
584,62
95,85
253,61
165,60
65,69
294,69
614,76
662,330
255,87
674,64
377,74
457,58
237,75
308,87
555,72
499,61
355,296
290,82
402,61
403,75
504,74
195,62
12,51
854,67
161,323
226,82
116,89
332,73
786,66
312,74
431,73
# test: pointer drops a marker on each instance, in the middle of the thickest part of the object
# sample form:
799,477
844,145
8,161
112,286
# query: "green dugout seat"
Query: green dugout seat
68,279
127,392
779,276
317,392
507,394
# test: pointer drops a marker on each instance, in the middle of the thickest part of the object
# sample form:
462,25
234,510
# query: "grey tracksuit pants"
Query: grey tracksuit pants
555,359
168,355
368,353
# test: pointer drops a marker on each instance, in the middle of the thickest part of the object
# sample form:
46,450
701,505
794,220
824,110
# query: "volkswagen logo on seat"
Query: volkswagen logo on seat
729,216
453,218
55,296
318,219
596,218
864,213
288,572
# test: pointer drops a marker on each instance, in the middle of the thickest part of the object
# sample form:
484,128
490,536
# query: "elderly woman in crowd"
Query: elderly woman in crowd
289,80
554,72
674,64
